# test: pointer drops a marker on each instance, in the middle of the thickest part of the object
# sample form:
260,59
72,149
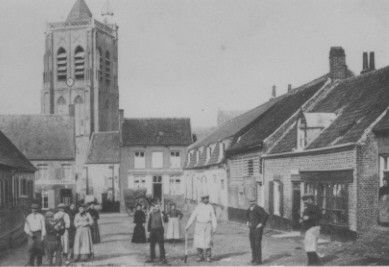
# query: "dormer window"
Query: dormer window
310,125
209,153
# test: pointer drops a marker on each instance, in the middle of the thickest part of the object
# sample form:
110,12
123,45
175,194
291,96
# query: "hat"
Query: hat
35,206
252,200
204,196
61,206
308,196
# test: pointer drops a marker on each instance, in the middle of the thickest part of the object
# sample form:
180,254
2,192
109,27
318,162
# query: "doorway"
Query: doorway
296,205
157,187
66,196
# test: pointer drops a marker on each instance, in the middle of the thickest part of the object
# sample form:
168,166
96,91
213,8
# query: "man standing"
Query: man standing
36,230
256,220
310,223
62,215
155,227
206,224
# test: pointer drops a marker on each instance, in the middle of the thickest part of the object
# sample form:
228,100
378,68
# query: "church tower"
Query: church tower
81,71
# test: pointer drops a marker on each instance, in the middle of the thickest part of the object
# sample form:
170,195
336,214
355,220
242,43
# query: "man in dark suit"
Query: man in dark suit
256,220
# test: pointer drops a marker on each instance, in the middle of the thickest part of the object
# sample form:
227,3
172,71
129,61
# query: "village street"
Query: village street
231,247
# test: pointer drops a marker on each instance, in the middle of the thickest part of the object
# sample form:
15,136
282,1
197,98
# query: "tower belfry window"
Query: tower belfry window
61,65
107,67
100,59
79,63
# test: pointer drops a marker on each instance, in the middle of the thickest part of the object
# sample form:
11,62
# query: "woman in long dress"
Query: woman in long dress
173,232
95,227
83,245
139,235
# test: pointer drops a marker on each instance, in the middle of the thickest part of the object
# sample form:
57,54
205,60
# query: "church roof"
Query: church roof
10,156
104,148
157,132
79,12
41,137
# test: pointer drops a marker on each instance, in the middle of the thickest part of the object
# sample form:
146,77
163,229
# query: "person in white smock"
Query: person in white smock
206,223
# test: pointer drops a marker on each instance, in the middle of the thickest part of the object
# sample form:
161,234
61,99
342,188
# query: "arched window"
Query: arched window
79,115
100,60
61,64
79,63
107,67
61,106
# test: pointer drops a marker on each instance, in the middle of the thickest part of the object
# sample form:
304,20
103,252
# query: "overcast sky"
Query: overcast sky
188,58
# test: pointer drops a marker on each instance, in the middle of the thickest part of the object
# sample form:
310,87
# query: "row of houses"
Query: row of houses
328,137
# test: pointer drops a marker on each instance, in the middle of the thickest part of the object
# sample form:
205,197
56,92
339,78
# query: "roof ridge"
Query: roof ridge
365,75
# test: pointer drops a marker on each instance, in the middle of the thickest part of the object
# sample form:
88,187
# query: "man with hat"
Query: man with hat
311,225
256,220
35,228
61,215
206,224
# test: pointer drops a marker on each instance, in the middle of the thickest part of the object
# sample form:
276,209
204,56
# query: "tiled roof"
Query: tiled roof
104,148
79,12
10,156
358,101
274,117
382,125
157,132
41,137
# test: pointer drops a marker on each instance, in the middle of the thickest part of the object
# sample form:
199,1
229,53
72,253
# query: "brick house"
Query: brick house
48,141
16,193
152,155
330,150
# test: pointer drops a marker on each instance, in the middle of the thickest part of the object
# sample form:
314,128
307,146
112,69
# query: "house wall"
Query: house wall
127,170
100,180
283,169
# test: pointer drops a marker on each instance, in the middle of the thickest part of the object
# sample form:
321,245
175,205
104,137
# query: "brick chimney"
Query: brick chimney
289,88
368,62
338,67
273,92
372,61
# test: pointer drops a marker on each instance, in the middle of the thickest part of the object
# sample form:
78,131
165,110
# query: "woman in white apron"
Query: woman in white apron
173,232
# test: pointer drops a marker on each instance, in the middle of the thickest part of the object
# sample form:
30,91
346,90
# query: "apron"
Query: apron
311,238
173,228
65,241
202,235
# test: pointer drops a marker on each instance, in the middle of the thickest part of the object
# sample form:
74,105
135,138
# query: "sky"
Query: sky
189,58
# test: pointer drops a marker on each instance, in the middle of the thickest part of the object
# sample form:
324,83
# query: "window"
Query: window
250,167
100,65
61,106
139,182
61,65
175,159
30,189
157,160
260,165
174,185
276,197
157,179
67,172
209,153
301,134
79,115
23,188
139,160
16,189
79,63
45,200
107,68
384,167
43,174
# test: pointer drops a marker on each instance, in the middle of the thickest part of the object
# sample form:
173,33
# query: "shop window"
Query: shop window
139,160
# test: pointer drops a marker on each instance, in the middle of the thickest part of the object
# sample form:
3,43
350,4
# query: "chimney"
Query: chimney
273,92
371,61
365,63
194,138
71,110
289,88
338,67
121,119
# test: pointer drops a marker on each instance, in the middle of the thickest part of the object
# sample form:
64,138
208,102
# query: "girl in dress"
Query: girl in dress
173,232
83,245
139,235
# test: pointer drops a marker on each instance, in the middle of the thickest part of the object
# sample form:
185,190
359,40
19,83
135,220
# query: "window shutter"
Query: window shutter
281,187
271,197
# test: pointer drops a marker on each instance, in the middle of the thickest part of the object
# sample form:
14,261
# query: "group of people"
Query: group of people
65,234
205,222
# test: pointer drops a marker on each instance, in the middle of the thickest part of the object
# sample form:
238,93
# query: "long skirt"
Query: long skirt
65,242
83,246
35,244
95,232
173,229
311,238
202,235
139,235
72,233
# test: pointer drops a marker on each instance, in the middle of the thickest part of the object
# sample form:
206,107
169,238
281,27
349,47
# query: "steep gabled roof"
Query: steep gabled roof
41,137
11,157
383,125
357,101
79,12
157,132
104,148
275,116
